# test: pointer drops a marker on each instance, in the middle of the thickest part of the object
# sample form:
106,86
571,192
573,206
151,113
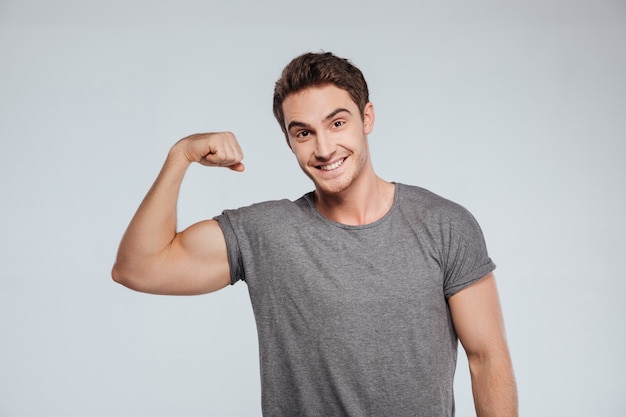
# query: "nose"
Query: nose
324,147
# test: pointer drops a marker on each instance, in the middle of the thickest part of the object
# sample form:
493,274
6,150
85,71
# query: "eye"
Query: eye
338,123
302,134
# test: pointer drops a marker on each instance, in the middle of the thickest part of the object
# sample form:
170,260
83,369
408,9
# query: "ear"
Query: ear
368,118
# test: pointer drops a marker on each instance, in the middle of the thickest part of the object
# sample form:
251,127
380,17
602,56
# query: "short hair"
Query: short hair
316,70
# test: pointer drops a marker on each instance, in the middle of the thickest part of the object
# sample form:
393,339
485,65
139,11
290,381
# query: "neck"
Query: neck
362,203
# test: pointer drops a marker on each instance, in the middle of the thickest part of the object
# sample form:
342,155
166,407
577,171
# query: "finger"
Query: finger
222,159
239,167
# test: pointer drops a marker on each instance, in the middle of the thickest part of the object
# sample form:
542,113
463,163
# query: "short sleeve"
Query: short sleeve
232,247
466,258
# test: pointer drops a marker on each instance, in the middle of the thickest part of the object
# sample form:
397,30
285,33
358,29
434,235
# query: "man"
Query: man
359,288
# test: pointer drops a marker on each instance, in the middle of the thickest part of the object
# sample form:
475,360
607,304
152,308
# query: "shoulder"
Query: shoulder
429,205
273,212
441,216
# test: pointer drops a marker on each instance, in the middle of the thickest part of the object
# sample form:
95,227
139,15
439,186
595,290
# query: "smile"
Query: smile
332,166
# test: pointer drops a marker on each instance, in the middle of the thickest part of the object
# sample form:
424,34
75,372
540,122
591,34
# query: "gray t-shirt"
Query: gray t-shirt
354,320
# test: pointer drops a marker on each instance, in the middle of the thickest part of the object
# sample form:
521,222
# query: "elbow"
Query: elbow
135,277
121,275
117,274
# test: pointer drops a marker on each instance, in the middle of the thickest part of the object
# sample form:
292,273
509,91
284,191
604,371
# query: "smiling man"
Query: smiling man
361,289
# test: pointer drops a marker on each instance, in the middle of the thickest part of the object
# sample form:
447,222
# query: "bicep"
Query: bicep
477,317
196,262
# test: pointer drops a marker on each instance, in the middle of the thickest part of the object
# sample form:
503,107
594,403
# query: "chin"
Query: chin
332,187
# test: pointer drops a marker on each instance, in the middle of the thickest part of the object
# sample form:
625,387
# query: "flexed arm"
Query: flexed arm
153,257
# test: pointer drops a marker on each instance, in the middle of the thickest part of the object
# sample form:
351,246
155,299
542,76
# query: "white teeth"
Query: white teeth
332,166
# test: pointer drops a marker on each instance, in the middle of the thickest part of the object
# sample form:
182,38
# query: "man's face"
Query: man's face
328,136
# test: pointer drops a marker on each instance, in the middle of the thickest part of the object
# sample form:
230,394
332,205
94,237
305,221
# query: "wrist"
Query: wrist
178,156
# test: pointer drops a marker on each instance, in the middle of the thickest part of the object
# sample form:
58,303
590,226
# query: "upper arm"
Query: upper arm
477,318
478,321
195,262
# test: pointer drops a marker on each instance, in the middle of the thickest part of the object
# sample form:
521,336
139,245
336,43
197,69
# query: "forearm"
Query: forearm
153,227
493,386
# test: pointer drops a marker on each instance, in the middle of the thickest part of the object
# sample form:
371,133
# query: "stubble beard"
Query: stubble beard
345,180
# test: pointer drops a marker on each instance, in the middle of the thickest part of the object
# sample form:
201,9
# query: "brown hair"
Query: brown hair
318,69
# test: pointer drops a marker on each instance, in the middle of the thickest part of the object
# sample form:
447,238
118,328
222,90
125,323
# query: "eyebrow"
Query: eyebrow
332,114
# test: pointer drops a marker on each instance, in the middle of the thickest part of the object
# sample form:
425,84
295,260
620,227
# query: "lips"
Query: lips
332,166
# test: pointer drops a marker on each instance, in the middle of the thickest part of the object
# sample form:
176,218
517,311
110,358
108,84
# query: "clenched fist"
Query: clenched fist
211,149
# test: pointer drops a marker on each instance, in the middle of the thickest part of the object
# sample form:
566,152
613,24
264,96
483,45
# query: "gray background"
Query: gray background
514,109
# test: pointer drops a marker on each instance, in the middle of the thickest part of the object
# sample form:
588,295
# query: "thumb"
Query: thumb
239,167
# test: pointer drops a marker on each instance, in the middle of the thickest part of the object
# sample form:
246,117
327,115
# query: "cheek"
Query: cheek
302,150
300,155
